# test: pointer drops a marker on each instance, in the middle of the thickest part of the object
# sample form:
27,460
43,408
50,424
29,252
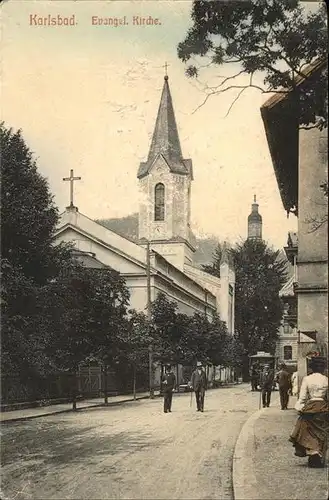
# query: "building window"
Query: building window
287,352
159,202
286,327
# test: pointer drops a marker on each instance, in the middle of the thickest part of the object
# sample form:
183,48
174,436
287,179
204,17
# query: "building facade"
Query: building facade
287,343
300,162
165,236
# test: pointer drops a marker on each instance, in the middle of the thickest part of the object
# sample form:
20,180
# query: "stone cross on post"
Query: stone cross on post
71,179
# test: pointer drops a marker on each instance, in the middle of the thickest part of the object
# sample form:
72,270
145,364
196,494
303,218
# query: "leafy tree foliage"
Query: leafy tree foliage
214,267
259,276
186,339
135,344
86,315
29,260
168,326
55,313
28,213
275,38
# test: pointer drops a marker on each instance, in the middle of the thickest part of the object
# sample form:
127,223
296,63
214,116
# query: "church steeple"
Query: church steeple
255,222
165,139
165,187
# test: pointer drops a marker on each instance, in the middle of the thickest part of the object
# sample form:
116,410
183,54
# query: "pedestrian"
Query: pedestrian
254,378
266,383
199,385
294,384
310,435
283,379
168,387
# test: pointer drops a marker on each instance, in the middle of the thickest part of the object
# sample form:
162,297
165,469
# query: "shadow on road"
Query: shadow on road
49,445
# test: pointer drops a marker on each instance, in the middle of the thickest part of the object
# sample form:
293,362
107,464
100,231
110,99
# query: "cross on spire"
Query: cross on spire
166,69
71,179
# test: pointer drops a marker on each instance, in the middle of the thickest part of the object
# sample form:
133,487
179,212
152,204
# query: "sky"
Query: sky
86,98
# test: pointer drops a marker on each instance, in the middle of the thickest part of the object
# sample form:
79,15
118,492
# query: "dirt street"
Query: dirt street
133,451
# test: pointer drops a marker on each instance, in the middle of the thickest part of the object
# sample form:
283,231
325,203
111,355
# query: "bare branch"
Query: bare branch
235,100
239,95
225,79
241,87
316,223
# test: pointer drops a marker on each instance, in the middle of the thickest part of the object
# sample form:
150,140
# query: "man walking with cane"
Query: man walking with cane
199,385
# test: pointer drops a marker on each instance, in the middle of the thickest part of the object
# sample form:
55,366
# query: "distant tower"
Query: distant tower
255,223
165,183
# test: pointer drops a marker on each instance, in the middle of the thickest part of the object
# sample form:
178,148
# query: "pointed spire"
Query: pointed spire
255,198
165,139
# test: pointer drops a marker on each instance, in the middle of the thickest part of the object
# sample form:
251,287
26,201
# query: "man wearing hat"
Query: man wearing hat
266,383
168,386
283,379
199,385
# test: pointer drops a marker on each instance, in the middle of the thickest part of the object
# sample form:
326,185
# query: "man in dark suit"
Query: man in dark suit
266,383
283,379
168,386
254,377
199,385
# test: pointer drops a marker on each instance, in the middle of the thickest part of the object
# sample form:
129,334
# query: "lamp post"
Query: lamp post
148,280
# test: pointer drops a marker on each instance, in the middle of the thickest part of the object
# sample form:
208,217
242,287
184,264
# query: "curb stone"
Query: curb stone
244,478
70,410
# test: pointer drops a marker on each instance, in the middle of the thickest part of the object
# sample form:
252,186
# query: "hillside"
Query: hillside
128,227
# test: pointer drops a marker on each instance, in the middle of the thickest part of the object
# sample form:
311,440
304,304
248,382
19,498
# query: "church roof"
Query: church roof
127,249
165,140
89,259
254,216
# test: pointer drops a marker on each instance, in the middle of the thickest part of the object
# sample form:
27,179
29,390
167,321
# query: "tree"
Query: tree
233,352
20,350
214,267
29,259
167,334
109,300
259,275
136,344
28,213
183,339
86,317
275,38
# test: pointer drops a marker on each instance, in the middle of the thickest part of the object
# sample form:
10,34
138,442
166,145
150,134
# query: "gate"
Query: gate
90,380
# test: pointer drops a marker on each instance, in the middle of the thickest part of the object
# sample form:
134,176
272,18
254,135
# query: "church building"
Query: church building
165,236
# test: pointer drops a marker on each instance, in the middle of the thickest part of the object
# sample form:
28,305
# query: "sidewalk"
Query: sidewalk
43,411
264,462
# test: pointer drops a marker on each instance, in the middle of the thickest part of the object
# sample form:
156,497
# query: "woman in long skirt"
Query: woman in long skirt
310,435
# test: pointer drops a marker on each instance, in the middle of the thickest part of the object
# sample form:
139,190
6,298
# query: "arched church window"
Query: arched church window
287,352
159,202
